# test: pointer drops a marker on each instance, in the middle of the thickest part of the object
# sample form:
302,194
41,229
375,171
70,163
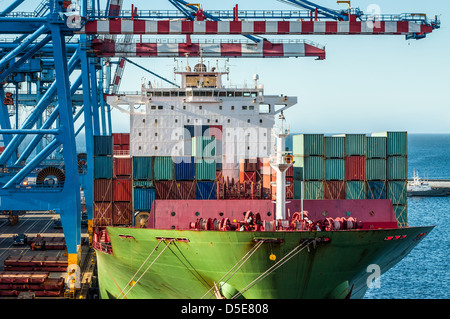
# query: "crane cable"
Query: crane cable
282,261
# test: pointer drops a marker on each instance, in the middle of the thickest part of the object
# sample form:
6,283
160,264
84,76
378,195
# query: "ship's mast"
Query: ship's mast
280,162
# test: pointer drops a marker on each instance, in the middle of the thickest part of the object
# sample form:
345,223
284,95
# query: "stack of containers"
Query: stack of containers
122,207
163,168
309,162
376,167
334,186
184,173
143,187
204,155
355,166
396,173
103,180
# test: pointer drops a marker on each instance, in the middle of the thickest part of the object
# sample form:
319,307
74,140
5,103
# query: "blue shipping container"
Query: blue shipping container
376,190
103,145
184,168
143,198
206,190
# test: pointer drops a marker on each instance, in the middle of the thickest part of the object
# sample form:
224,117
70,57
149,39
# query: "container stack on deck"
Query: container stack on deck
352,166
103,180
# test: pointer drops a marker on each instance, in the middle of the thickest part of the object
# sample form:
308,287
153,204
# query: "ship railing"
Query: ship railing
103,247
121,152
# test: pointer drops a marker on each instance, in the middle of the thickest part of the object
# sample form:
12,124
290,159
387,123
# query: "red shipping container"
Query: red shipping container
165,190
290,172
355,168
122,213
247,177
102,190
122,190
334,190
122,166
184,190
102,215
121,138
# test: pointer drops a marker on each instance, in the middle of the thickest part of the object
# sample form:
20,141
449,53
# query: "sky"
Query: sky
366,83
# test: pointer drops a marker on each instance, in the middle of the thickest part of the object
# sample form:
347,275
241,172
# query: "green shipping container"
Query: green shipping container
313,190
397,168
396,142
142,168
401,214
397,192
103,167
355,144
299,163
204,146
163,167
297,189
334,147
334,169
355,190
376,147
313,168
308,144
205,170
376,169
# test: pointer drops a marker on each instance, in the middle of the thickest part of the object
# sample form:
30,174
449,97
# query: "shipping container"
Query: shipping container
313,189
376,147
308,144
165,190
313,168
102,214
142,168
376,169
143,198
334,169
205,169
122,213
122,190
247,177
355,168
184,168
204,146
163,168
184,190
206,190
143,184
103,190
103,167
355,144
334,147
121,138
397,192
397,168
355,190
103,145
376,190
334,190
401,214
122,166
396,142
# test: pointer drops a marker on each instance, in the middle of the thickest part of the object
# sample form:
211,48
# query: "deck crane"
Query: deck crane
48,29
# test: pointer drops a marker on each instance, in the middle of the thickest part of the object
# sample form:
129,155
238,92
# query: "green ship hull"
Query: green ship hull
183,264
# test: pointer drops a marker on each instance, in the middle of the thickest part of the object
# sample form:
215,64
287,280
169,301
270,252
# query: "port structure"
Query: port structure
65,49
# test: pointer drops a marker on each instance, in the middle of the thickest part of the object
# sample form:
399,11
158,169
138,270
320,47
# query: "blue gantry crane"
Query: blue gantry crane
57,51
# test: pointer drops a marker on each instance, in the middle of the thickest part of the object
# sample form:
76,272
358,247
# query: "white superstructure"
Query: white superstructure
164,120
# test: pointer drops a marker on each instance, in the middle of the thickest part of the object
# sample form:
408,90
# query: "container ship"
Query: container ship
202,199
